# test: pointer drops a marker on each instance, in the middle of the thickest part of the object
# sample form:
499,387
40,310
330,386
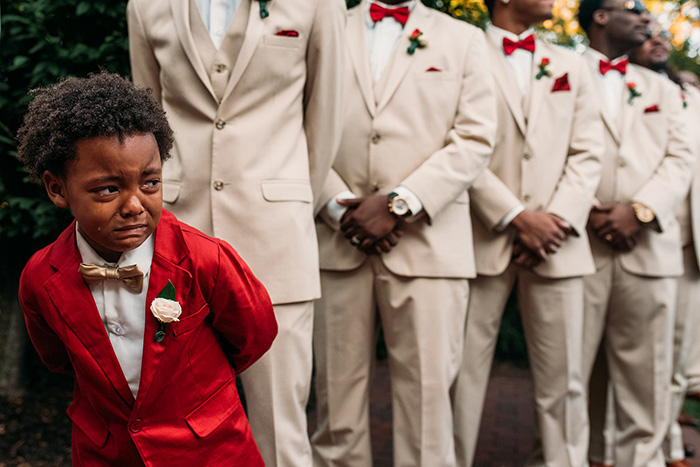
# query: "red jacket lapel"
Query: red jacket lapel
170,251
75,304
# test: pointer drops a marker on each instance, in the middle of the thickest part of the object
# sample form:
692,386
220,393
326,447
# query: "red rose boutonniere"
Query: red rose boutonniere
633,92
543,69
264,12
417,41
165,309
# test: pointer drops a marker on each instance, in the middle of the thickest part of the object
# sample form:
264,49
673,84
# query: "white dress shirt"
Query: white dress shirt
382,38
613,82
217,16
520,61
123,312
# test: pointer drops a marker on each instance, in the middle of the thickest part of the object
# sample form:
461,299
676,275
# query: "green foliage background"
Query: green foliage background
43,41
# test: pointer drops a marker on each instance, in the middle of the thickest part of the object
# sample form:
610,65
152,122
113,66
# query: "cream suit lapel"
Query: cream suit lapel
539,88
506,83
610,123
181,16
253,34
628,110
421,18
356,33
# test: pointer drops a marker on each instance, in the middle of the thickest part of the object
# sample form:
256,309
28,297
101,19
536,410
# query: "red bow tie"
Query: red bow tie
606,66
378,12
527,43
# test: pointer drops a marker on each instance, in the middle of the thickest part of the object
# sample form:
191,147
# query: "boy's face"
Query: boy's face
113,190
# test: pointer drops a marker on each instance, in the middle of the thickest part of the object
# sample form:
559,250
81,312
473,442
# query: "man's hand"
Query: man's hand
367,220
383,245
616,225
540,232
524,257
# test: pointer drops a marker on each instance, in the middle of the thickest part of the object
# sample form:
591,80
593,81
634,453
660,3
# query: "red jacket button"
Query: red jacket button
136,425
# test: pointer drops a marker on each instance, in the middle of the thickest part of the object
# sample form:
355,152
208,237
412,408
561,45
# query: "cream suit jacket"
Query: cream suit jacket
647,159
430,128
547,158
247,168
691,114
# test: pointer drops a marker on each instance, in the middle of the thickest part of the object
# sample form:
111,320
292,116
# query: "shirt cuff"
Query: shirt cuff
508,218
414,204
334,211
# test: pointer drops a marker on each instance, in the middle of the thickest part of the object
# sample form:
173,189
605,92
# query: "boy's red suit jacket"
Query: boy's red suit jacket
187,411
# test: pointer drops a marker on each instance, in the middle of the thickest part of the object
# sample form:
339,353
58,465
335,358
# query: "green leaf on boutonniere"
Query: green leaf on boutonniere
168,291
264,12
543,71
634,93
417,42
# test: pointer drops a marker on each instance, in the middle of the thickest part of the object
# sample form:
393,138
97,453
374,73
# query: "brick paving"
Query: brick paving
507,430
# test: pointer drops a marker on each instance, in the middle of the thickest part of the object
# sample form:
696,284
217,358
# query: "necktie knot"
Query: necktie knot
620,66
131,276
378,13
527,43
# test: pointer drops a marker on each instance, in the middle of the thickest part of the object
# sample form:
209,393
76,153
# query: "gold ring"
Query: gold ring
608,238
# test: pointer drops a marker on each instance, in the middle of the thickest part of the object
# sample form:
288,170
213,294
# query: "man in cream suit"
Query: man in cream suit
251,89
395,235
635,237
654,55
529,212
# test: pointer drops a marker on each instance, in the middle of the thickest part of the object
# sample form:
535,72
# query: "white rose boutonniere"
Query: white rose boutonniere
165,309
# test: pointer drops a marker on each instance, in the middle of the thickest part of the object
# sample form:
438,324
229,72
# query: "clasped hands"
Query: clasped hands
540,234
616,225
368,224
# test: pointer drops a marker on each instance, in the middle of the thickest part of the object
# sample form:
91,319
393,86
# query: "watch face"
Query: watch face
399,206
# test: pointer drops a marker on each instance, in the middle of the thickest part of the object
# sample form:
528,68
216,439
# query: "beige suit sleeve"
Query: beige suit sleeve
145,70
576,189
668,186
449,171
323,111
491,199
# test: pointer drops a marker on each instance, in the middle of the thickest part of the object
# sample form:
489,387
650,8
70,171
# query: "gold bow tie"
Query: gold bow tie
131,276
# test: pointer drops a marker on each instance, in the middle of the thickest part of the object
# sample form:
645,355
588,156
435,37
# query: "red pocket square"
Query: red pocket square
432,68
652,108
562,83
287,33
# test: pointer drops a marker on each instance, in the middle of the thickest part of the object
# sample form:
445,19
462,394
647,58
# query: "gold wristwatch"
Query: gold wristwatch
398,205
642,212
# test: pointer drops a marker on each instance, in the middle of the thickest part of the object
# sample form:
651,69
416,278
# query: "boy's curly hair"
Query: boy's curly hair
103,104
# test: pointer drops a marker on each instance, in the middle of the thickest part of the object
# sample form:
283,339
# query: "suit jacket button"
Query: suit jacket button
527,156
375,139
220,68
622,164
374,187
220,124
218,185
526,197
136,425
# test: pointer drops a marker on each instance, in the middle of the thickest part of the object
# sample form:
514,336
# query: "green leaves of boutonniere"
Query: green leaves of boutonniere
417,41
543,71
264,12
166,309
634,93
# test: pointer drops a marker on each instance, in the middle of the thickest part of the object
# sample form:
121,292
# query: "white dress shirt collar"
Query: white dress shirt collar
383,36
520,61
613,83
142,255
217,16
